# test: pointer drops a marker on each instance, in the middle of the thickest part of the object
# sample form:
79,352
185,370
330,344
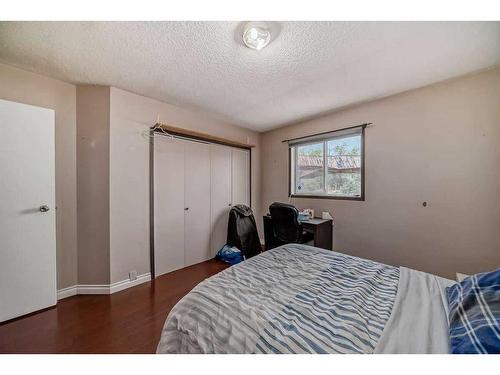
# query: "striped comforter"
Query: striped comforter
292,299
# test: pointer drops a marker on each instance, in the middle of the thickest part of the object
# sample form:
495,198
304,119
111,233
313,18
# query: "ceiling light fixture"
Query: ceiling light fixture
256,35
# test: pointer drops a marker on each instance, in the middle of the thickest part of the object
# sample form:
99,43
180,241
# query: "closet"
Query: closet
195,184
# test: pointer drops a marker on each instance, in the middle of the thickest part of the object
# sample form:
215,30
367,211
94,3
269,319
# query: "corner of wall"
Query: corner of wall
93,108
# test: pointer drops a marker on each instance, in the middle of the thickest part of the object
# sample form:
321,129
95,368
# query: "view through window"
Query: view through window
330,167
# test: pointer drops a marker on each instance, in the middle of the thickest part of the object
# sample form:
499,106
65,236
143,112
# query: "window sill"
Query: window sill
361,198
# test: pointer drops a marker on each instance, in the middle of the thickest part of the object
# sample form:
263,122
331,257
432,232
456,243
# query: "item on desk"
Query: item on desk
326,215
303,216
310,212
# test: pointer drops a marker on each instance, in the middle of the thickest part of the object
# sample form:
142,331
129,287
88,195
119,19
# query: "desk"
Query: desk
320,228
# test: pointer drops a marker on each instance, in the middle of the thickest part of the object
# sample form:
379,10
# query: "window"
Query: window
328,165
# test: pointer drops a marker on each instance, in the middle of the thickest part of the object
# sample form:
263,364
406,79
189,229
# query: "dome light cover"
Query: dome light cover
256,36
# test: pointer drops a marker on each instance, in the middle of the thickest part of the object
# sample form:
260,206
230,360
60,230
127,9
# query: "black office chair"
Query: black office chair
286,225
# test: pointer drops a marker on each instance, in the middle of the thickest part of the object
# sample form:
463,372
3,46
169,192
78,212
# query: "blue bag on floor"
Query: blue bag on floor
231,255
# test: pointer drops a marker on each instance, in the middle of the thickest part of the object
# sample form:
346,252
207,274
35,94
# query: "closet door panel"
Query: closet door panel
168,205
220,169
240,176
197,213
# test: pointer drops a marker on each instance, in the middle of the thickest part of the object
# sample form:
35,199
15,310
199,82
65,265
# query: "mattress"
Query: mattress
302,299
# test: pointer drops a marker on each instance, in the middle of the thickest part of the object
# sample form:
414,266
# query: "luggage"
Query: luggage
242,231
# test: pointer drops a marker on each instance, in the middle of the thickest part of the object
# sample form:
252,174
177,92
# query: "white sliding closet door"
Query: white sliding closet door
197,203
240,186
220,194
195,184
169,204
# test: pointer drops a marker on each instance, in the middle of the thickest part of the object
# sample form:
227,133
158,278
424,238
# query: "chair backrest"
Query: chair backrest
286,225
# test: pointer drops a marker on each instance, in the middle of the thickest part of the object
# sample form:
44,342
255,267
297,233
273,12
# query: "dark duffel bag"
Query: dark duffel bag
242,231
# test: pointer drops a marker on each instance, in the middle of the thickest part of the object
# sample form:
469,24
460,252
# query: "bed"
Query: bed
302,299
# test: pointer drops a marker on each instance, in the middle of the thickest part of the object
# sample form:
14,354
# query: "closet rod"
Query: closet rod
175,131
182,137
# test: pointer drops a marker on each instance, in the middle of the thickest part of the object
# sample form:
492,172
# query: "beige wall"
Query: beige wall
113,171
25,87
439,144
131,114
93,184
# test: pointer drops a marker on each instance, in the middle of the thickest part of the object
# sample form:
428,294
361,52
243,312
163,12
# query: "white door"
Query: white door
27,209
197,202
240,165
220,189
168,205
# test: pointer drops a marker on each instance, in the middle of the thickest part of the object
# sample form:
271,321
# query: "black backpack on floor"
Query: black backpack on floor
242,231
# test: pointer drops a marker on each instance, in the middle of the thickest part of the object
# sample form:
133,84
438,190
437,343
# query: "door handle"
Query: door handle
186,208
44,208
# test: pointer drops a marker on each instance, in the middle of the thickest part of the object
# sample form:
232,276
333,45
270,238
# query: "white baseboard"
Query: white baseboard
102,289
67,292
124,284
93,289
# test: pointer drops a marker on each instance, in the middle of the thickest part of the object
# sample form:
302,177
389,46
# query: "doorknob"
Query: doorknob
44,208
186,208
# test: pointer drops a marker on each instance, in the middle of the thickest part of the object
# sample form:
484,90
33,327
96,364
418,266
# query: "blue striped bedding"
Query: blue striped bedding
293,299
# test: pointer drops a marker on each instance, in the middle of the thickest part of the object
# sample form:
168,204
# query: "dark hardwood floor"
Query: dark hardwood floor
129,321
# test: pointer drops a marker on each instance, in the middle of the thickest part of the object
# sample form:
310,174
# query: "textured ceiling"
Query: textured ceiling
308,68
